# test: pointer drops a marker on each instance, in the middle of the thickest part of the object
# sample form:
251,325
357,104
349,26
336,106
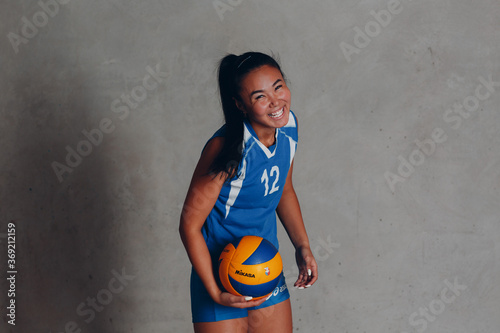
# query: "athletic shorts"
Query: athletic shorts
204,309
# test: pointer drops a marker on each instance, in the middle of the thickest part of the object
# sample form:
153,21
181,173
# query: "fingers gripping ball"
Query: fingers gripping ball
250,266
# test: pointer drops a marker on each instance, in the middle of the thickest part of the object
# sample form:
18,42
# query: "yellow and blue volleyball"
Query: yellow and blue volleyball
250,266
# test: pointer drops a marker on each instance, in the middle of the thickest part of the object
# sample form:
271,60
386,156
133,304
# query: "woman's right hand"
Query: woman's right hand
227,299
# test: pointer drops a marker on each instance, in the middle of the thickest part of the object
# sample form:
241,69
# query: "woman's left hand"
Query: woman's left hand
308,268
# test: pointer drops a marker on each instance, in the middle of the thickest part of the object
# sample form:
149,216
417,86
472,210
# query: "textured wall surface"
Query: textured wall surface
105,106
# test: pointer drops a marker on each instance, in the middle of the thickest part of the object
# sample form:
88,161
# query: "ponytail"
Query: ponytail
232,70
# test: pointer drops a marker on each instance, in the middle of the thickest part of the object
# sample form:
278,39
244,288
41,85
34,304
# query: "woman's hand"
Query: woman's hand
227,299
308,268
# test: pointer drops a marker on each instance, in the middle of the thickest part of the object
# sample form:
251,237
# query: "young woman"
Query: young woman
243,178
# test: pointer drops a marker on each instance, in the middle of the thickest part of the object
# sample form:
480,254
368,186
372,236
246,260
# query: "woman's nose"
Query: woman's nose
274,100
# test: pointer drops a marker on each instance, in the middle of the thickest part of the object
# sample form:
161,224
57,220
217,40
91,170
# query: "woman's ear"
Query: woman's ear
239,105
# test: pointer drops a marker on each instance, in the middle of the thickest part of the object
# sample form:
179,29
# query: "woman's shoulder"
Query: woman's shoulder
217,140
221,132
214,145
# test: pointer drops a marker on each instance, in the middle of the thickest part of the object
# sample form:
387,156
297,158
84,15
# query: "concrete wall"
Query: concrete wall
105,106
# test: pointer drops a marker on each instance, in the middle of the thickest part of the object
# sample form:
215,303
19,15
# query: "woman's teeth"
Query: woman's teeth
277,114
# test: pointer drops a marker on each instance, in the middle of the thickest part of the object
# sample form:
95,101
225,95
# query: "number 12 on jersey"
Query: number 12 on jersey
275,172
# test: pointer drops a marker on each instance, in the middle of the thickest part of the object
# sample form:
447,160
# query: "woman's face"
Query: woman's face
265,98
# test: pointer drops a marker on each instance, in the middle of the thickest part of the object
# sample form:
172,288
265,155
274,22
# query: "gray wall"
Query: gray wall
398,167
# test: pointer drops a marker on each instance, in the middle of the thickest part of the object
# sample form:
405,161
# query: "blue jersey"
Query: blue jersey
247,202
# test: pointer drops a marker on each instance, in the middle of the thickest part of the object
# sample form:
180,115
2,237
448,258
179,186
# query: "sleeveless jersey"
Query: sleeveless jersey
247,202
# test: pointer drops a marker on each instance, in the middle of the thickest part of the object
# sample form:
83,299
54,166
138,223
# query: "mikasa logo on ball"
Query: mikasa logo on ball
245,274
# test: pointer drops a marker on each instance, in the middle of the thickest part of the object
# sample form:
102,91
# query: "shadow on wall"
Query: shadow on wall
66,276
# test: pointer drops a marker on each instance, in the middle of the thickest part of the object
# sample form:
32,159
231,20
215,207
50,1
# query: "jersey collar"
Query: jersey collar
249,133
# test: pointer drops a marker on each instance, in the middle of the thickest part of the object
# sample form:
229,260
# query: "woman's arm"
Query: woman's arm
200,199
291,217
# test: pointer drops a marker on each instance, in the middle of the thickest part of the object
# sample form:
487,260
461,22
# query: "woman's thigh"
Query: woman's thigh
239,325
276,318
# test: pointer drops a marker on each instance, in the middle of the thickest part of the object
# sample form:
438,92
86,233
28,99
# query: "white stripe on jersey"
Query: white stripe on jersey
246,134
236,187
293,144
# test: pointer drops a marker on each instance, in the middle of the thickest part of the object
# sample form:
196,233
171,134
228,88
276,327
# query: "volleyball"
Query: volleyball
250,266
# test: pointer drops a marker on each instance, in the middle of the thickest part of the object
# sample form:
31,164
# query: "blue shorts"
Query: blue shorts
204,309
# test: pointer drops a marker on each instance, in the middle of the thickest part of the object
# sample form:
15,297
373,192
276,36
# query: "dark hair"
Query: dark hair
232,70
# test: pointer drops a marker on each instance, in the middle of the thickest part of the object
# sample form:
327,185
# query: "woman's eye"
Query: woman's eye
278,87
259,97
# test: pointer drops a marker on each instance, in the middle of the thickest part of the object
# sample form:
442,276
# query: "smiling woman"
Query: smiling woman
243,178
